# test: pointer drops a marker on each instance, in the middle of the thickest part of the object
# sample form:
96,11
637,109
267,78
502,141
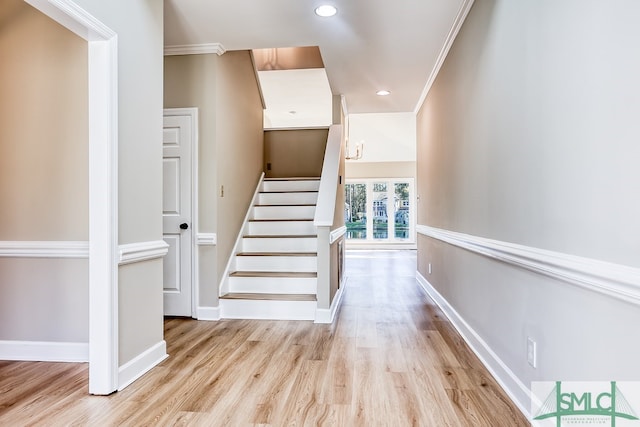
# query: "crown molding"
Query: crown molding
453,32
194,49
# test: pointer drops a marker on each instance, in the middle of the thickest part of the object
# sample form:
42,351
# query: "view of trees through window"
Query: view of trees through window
386,216
355,211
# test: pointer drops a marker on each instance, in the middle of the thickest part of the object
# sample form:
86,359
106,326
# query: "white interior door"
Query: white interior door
177,215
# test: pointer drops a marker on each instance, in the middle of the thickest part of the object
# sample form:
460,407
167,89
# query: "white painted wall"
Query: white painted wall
388,137
530,135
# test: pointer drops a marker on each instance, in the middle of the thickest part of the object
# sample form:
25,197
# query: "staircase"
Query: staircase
274,273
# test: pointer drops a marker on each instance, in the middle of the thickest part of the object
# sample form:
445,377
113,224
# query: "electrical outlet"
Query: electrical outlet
222,191
429,268
532,356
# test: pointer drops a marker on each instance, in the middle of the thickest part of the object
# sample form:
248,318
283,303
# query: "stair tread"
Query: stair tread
300,275
280,220
280,236
299,178
288,191
284,206
269,297
296,254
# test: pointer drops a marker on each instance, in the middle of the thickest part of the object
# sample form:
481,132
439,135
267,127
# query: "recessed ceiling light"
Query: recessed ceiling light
383,93
326,10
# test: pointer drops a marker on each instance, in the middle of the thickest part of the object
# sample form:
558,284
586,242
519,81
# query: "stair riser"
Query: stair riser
273,310
302,185
277,263
273,285
281,228
268,244
284,212
288,198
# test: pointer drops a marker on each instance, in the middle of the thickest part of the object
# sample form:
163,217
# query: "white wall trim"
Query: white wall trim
614,280
103,187
194,49
324,315
453,32
208,313
206,239
142,251
42,351
44,249
74,18
141,364
511,384
336,234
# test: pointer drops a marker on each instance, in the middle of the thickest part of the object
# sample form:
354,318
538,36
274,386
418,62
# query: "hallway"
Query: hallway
390,359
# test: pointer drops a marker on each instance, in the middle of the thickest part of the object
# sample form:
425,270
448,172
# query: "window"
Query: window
380,211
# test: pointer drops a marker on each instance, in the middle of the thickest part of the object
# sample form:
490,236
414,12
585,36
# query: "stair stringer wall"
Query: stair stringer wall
223,287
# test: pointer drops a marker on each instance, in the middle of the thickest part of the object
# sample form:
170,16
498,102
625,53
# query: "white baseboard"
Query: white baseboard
141,364
44,351
327,315
510,383
208,313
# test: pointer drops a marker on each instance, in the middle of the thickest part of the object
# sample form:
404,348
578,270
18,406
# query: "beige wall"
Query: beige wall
43,174
294,153
530,135
361,170
224,89
44,300
190,81
240,146
43,128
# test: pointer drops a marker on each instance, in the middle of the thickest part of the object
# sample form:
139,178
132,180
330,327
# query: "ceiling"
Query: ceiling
367,46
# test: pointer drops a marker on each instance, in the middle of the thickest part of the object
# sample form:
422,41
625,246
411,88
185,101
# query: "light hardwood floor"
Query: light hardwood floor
390,359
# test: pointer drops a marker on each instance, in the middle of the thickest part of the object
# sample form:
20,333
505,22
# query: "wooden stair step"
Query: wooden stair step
283,206
270,297
280,236
299,254
280,220
299,178
280,274
288,191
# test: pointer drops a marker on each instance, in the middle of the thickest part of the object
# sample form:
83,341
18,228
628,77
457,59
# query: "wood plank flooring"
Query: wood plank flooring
391,359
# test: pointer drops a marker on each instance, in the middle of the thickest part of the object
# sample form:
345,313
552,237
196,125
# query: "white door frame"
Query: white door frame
103,187
193,115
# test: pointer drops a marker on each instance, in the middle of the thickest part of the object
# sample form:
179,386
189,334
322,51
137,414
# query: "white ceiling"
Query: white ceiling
369,45
296,98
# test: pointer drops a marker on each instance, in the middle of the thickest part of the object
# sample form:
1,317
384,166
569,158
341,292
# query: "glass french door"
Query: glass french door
380,211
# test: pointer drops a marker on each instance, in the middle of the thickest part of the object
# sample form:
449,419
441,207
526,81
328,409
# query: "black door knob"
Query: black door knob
184,226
